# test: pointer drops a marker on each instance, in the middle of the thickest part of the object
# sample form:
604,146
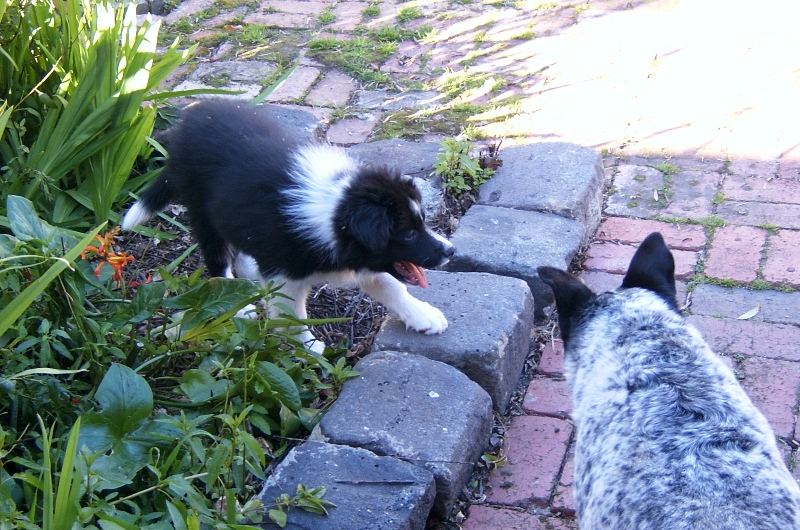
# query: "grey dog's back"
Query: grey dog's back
666,437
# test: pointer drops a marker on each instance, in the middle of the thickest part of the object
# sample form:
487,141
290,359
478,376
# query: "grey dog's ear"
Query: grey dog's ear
571,295
653,268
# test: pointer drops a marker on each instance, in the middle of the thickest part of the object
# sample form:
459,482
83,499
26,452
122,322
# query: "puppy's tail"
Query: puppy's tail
154,199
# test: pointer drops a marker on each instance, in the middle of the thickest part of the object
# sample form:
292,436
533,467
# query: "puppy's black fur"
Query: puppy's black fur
298,213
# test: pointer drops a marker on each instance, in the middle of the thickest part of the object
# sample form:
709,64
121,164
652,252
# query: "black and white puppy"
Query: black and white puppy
666,437
271,209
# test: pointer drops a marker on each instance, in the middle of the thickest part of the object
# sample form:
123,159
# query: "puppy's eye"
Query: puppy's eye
411,235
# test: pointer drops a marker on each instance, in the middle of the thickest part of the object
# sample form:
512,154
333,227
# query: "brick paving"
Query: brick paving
699,143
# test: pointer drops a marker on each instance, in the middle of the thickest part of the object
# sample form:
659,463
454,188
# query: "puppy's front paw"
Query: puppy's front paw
425,318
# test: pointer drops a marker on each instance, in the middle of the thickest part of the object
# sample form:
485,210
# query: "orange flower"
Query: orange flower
108,256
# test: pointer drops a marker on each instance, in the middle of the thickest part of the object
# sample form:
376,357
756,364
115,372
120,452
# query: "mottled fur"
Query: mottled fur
666,437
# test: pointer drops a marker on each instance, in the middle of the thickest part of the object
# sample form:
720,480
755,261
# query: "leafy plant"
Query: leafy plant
163,407
307,499
460,173
74,75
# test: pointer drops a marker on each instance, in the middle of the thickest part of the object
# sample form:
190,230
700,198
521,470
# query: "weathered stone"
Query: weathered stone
410,158
728,302
513,243
489,329
416,409
302,124
760,213
333,90
560,178
231,75
381,100
633,192
368,491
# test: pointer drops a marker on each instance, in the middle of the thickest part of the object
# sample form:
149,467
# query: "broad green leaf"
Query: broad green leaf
200,386
146,301
125,398
281,384
25,224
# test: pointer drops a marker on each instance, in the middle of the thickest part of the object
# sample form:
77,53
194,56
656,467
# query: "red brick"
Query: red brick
733,338
552,360
482,517
616,258
601,282
536,449
633,231
783,257
735,253
548,397
564,499
773,386
762,189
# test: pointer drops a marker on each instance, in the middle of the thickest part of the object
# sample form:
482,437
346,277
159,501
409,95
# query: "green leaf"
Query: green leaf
10,313
278,517
25,224
146,301
280,383
200,386
125,398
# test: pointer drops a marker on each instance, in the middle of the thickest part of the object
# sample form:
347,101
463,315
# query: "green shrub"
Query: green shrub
74,79
175,408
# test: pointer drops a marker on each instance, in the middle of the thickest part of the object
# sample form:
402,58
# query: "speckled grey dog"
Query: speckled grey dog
666,437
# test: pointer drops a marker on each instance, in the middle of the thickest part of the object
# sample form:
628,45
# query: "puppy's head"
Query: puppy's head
381,227
652,267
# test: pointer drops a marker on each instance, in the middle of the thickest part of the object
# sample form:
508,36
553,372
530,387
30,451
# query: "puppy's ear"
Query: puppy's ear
370,224
571,296
653,268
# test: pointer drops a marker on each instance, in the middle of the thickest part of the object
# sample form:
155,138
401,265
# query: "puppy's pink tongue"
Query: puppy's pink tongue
412,273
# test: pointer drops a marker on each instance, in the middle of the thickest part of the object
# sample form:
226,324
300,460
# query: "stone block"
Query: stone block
489,329
390,101
760,213
692,194
730,302
551,177
351,131
296,85
415,409
548,397
513,243
773,386
368,491
410,158
736,338
633,192
483,517
334,90
615,259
